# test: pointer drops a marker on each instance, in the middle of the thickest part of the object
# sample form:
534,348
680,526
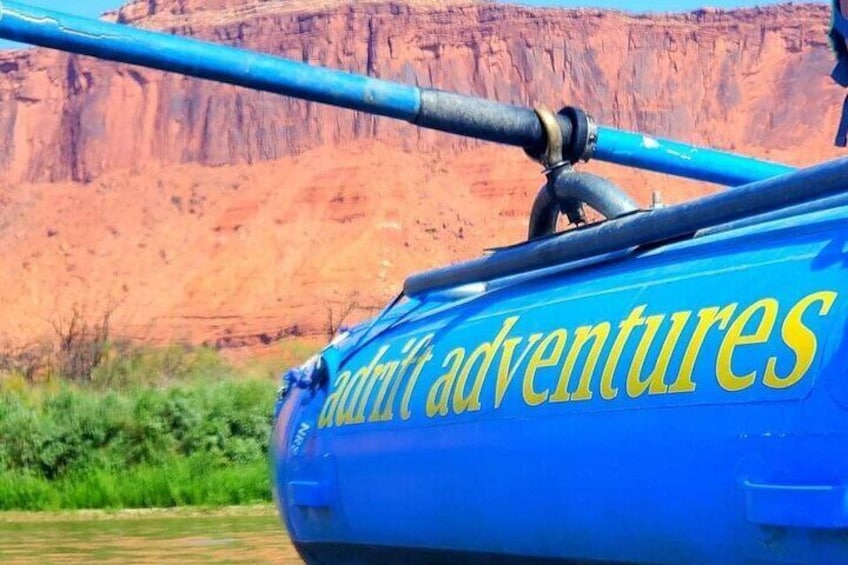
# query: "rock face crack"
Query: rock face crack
371,64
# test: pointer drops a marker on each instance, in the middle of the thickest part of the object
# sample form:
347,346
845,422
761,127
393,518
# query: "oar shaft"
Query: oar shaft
204,60
681,159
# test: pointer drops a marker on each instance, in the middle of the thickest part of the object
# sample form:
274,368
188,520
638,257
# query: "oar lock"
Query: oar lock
566,190
559,152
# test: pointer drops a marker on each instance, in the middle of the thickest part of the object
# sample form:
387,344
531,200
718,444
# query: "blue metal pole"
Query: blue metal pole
679,159
105,40
428,108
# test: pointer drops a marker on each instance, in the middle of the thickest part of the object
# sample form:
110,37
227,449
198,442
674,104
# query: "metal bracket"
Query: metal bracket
566,191
558,197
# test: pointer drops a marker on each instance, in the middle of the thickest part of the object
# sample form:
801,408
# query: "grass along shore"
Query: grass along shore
144,428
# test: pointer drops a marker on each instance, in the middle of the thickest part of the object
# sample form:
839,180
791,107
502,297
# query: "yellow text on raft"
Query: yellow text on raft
586,359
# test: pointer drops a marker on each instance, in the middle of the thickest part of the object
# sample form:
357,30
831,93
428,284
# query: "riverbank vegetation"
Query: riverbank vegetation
139,428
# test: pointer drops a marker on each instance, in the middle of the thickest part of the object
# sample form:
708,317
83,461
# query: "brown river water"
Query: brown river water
235,535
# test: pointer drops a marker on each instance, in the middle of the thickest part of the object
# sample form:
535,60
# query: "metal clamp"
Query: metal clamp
552,158
584,134
560,152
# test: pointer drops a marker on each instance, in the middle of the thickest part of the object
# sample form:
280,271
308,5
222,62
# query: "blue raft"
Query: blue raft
680,404
663,386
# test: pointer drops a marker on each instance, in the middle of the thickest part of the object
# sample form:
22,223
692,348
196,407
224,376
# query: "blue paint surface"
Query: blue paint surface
671,157
708,475
90,9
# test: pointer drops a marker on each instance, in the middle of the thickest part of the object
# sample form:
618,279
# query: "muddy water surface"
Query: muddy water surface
239,535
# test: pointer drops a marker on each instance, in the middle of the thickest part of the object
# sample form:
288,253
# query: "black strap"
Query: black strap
840,22
842,132
840,72
838,35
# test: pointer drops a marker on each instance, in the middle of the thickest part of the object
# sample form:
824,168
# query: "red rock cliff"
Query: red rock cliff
241,254
740,79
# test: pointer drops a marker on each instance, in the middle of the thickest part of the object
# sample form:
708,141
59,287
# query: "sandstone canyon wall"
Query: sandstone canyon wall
751,78
214,213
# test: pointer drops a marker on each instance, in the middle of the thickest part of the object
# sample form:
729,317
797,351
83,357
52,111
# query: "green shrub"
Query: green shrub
152,427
